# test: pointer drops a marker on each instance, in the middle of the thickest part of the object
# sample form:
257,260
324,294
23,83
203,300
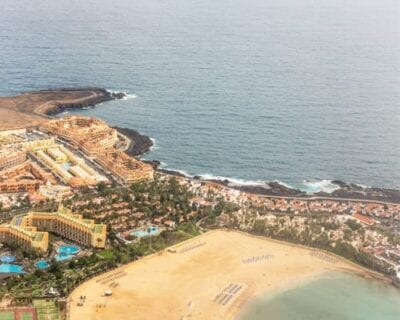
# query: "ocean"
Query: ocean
299,91
333,296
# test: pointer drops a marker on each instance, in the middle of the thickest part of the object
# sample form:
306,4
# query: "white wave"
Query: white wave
314,186
233,181
284,184
154,146
362,186
127,96
63,113
163,165
182,172
308,186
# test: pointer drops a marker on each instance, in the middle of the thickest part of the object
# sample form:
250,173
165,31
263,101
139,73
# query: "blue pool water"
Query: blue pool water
7,259
66,252
145,233
42,264
68,249
62,256
10,268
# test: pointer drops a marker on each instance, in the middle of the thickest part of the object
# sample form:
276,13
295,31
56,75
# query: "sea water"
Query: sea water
299,91
335,296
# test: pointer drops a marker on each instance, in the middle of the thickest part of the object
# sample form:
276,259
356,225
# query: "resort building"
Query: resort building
24,139
21,233
10,157
96,139
125,168
11,136
90,135
27,177
71,226
69,167
31,231
55,192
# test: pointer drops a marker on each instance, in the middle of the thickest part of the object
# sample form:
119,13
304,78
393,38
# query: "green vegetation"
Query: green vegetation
353,224
64,277
313,236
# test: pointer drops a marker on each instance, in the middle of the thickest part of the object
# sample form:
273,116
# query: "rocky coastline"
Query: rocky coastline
101,95
346,191
55,101
140,143
354,191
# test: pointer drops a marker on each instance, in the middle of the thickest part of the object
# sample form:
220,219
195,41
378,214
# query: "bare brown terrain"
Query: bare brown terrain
31,108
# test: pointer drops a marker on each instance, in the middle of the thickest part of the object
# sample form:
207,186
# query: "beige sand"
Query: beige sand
183,285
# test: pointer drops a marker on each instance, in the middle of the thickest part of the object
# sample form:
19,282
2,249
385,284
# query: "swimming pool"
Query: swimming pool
7,259
68,249
11,268
62,256
42,264
144,232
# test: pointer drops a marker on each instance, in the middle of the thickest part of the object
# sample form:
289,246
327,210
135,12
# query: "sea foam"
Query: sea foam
313,186
233,181
155,145
127,96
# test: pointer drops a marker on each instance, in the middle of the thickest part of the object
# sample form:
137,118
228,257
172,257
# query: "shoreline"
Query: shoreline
298,284
139,143
36,106
287,271
274,189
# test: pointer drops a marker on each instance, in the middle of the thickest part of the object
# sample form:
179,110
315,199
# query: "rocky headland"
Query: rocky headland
32,108
140,143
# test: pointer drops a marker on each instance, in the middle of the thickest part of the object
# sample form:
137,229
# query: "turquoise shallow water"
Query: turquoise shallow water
333,297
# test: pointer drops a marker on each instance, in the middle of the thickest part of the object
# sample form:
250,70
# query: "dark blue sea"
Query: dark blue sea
300,91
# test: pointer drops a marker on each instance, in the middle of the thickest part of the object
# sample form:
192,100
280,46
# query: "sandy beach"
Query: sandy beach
208,277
